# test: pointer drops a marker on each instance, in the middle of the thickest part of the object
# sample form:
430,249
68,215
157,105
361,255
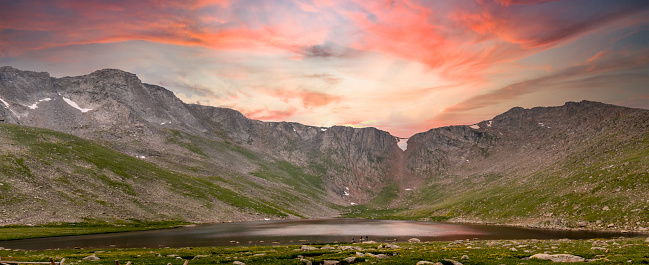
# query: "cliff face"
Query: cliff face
354,162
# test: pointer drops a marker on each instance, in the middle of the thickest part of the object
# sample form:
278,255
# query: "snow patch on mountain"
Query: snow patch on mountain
35,105
74,105
402,143
7,105
4,102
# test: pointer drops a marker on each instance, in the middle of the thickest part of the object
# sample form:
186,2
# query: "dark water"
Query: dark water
297,232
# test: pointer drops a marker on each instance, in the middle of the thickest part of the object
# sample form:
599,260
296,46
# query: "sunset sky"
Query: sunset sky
401,66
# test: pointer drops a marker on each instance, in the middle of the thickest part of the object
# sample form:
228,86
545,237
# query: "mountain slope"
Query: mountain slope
295,168
50,176
581,164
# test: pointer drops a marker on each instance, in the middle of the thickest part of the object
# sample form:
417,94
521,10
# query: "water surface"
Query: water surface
297,232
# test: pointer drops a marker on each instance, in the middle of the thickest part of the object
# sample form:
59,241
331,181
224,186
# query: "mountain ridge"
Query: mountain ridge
289,168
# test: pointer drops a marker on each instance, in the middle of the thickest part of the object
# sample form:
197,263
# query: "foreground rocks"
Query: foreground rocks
558,257
622,251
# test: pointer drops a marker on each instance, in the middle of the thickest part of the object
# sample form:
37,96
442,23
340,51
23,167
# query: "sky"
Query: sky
400,66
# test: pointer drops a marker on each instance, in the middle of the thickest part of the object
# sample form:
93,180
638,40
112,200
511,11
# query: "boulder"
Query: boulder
600,244
236,262
464,257
558,257
305,247
453,262
330,262
91,257
350,259
200,256
391,246
349,248
414,240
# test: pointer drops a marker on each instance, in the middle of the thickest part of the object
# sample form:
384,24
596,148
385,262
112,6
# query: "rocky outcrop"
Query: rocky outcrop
349,159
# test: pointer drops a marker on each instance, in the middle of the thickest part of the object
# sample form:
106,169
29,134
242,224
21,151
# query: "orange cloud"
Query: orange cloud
269,115
598,55
310,99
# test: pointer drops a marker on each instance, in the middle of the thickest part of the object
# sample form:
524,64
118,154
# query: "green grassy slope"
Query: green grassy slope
602,184
66,178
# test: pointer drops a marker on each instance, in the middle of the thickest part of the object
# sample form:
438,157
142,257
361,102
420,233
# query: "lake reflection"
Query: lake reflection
297,232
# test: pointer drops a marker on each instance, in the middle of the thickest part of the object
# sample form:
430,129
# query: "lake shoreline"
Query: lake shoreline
105,228
289,232
596,251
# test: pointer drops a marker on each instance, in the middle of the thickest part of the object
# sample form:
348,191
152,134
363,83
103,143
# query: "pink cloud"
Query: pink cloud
397,62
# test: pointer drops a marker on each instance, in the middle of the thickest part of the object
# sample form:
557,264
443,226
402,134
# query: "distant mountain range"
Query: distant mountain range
107,146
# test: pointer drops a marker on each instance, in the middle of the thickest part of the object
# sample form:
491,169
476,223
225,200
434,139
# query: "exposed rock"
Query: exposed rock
350,248
330,262
236,262
464,257
599,248
327,247
423,262
350,259
91,257
392,246
414,240
600,243
453,262
306,247
558,257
